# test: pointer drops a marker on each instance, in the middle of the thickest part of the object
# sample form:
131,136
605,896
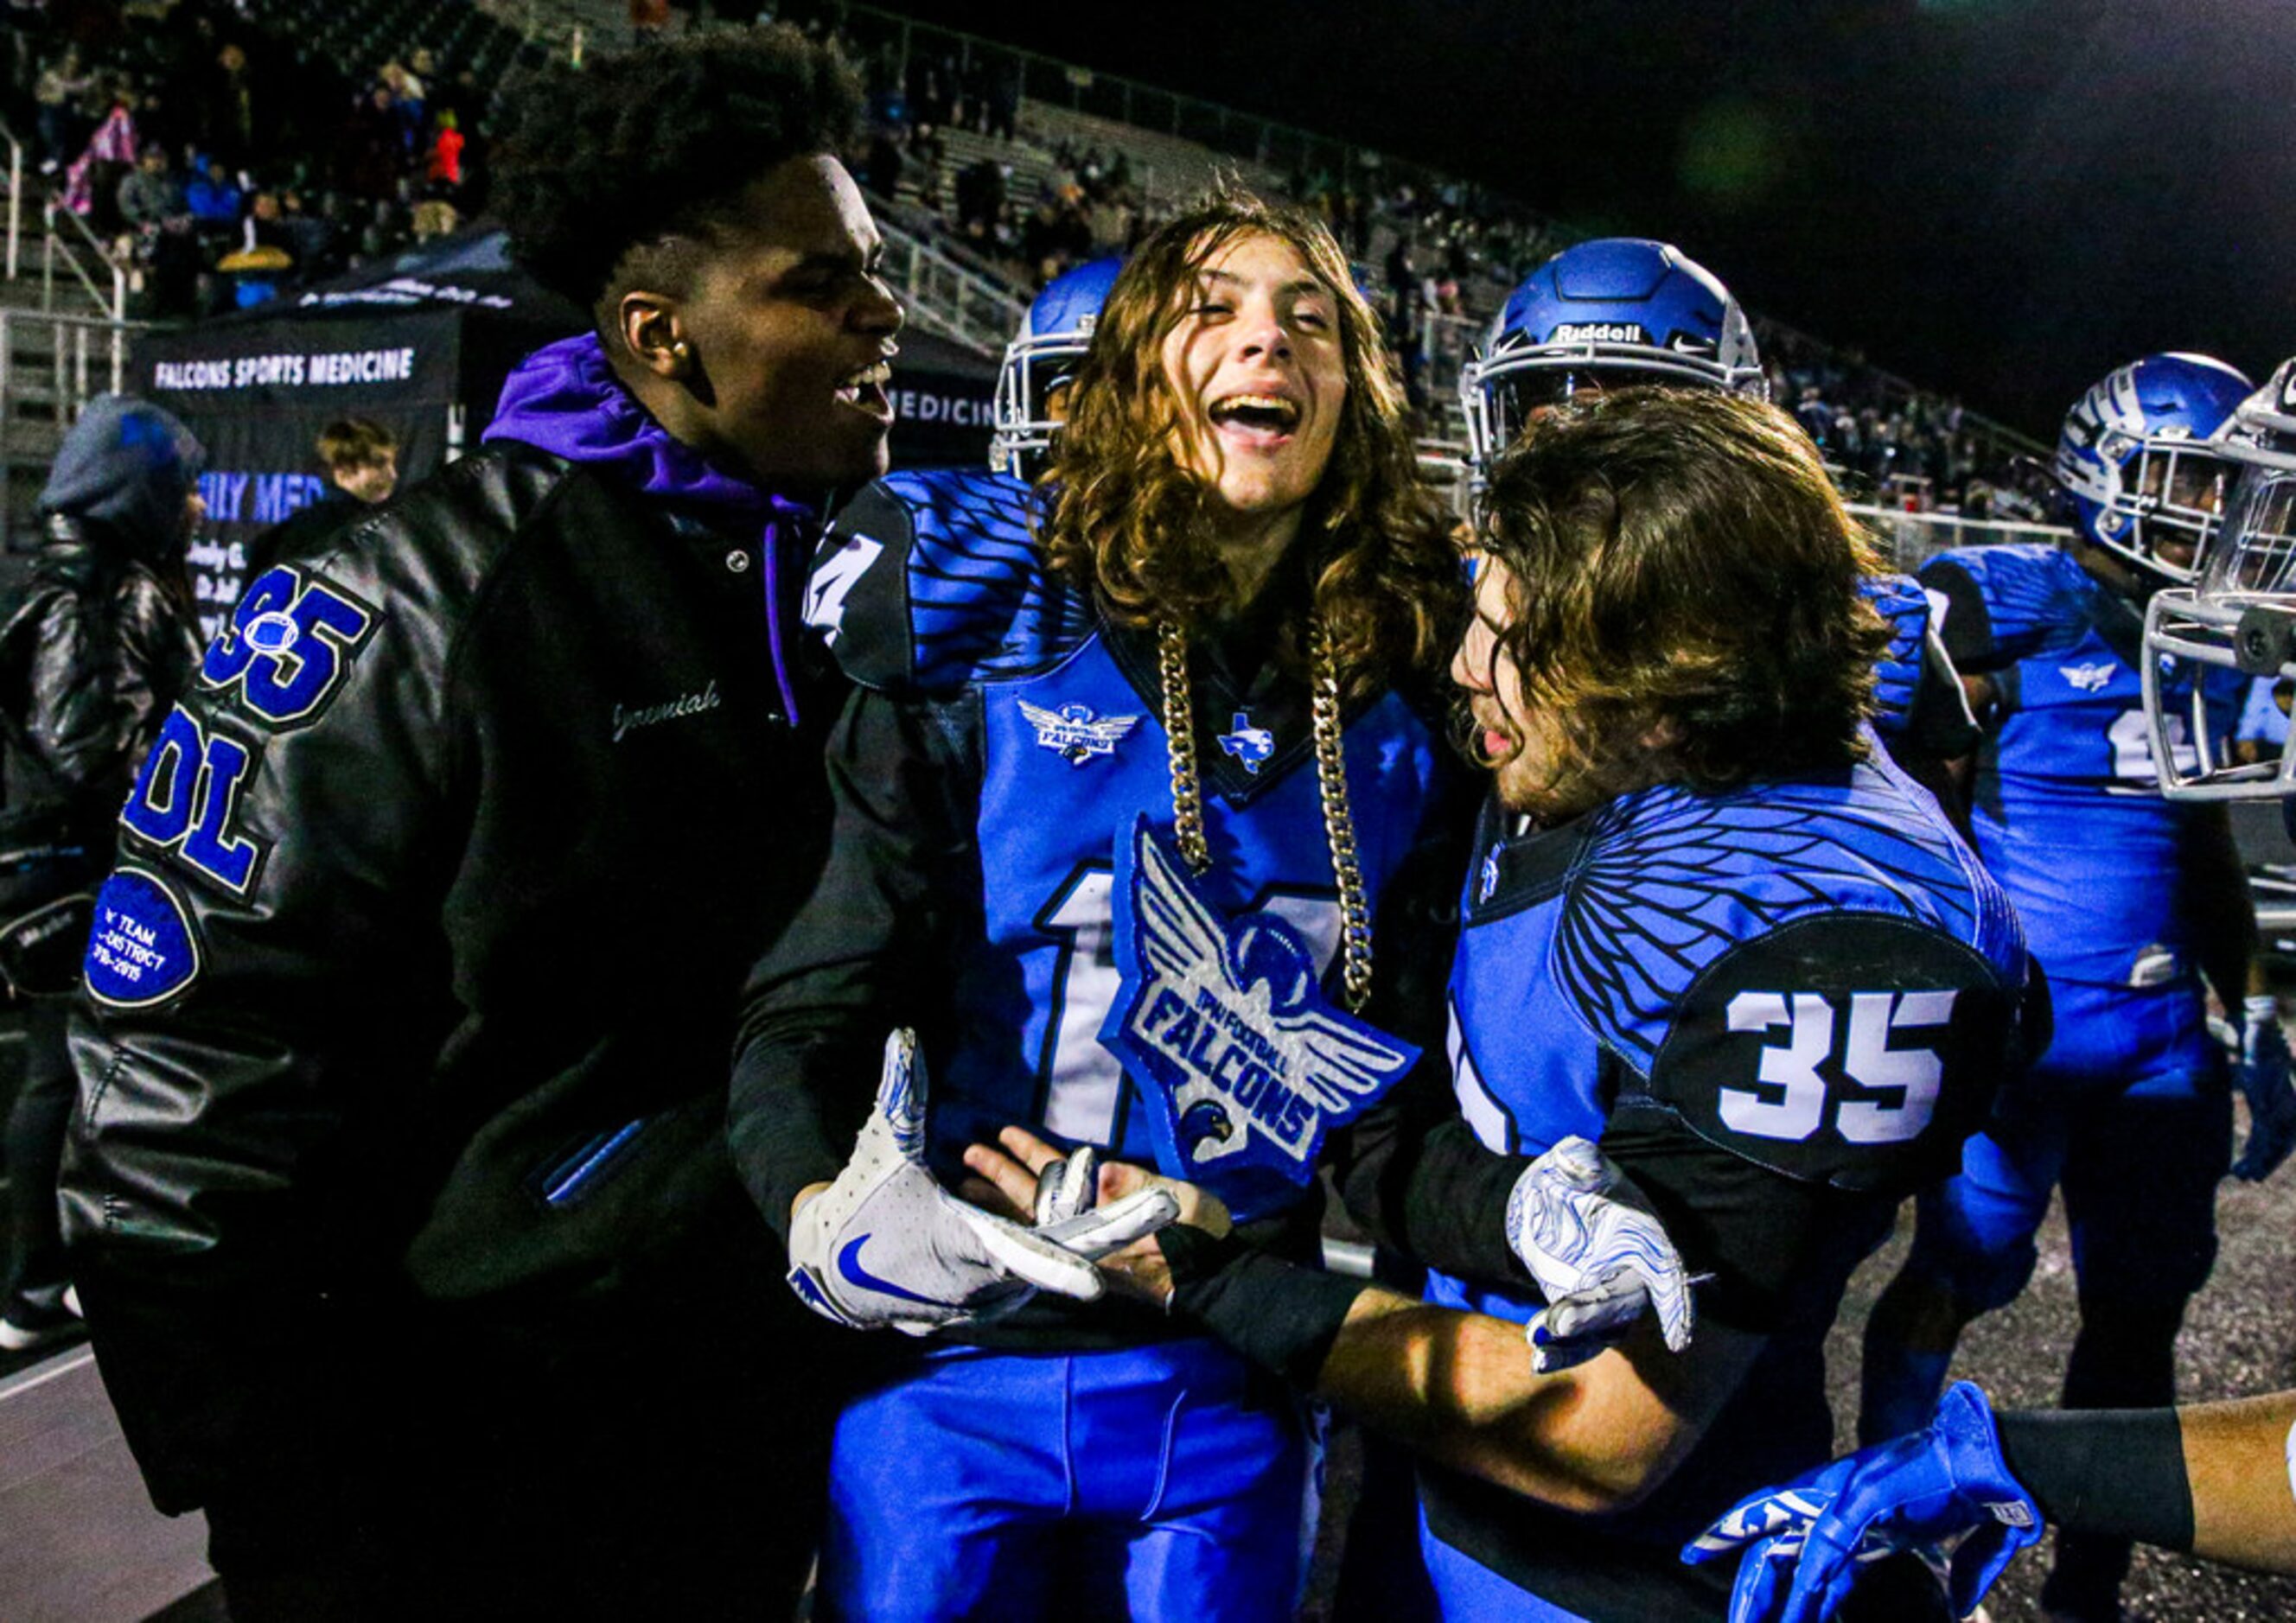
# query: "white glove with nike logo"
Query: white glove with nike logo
887,1245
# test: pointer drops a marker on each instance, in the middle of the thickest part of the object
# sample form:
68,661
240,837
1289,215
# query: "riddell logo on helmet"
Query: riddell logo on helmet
1599,332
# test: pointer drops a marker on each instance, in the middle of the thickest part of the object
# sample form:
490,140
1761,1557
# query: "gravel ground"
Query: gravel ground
2239,1340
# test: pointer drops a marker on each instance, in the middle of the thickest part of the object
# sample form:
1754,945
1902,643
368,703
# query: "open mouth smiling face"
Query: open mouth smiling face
1257,367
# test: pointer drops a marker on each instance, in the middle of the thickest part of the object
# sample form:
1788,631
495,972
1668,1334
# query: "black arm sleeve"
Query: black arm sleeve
861,955
1754,1230
1409,1170
1281,1316
2117,1472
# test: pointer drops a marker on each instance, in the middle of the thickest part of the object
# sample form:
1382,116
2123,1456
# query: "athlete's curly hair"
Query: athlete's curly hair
1128,521
1681,564
601,161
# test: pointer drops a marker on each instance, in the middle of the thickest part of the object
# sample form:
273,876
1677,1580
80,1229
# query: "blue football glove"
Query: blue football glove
1601,1263
886,1245
2263,1073
1803,1544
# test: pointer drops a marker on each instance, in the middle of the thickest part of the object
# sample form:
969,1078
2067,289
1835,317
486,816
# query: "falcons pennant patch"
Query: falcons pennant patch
1224,1027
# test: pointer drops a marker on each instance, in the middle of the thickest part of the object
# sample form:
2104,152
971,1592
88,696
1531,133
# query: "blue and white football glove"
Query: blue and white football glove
1804,1543
887,1245
2263,1073
1601,1263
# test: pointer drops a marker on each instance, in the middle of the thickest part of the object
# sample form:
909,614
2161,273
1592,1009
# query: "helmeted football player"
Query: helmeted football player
1040,362
2137,906
2237,613
1606,314
1619,312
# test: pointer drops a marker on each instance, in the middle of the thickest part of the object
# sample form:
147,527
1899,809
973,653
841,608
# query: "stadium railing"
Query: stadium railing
1909,539
65,239
942,295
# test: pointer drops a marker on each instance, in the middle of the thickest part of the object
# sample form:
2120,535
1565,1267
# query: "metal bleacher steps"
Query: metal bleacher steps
1169,169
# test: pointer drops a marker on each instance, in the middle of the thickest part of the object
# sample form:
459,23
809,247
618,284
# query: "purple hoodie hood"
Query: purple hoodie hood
565,400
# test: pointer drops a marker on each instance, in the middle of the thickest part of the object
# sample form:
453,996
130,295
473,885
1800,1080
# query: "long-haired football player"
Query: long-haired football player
1140,846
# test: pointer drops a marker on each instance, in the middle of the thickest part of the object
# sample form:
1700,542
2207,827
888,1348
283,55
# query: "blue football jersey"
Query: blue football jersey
931,585
1898,674
2069,814
1812,981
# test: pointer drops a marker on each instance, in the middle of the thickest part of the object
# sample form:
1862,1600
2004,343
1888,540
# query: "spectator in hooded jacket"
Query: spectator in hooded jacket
91,662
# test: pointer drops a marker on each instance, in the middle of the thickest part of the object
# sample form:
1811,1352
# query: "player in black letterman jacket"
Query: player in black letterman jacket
398,1193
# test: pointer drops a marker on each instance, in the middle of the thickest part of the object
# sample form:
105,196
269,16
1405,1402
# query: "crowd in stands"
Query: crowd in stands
227,155
222,152
1438,257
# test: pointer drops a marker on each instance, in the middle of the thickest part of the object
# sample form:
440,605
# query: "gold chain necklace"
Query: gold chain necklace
1331,781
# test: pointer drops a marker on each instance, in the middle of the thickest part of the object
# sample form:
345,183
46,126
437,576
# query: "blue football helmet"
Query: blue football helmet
2238,614
1044,354
2138,461
1610,312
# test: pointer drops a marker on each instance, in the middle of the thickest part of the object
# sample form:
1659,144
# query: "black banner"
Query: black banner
943,396
258,393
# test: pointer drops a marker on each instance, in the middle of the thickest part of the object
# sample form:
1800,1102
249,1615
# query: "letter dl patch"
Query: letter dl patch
1223,1025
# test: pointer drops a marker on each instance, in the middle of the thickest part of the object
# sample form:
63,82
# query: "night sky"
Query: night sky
2002,199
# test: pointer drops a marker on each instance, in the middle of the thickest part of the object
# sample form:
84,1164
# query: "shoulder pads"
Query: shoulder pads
925,582
1843,1048
1672,881
1995,604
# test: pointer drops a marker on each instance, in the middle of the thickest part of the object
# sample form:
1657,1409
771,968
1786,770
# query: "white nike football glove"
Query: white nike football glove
1600,1262
887,1245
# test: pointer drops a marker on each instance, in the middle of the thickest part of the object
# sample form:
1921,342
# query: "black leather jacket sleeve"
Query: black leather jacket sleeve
873,949
219,1214
90,663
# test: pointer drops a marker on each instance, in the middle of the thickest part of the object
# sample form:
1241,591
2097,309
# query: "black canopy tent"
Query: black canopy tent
422,343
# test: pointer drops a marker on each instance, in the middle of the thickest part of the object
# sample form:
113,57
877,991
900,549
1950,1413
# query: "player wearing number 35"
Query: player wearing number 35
1142,827
1706,923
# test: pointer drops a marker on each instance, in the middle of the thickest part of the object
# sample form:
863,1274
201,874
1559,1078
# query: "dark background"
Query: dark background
2001,199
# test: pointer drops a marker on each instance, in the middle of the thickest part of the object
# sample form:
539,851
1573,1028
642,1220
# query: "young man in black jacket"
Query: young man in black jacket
397,1191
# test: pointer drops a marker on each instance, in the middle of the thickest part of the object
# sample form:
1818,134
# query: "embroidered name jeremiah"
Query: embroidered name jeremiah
685,704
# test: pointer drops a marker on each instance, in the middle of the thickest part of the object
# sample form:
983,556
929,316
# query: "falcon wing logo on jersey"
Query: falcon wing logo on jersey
1225,1029
1074,732
2088,678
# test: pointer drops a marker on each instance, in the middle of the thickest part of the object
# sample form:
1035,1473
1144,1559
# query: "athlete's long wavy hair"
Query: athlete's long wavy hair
1127,520
1681,566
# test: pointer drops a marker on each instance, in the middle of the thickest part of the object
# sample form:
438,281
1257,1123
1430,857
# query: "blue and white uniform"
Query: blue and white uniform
988,777
2131,1108
1778,1009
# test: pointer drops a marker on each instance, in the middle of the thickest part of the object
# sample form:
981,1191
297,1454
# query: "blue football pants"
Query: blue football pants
2131,1112
1172,1480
